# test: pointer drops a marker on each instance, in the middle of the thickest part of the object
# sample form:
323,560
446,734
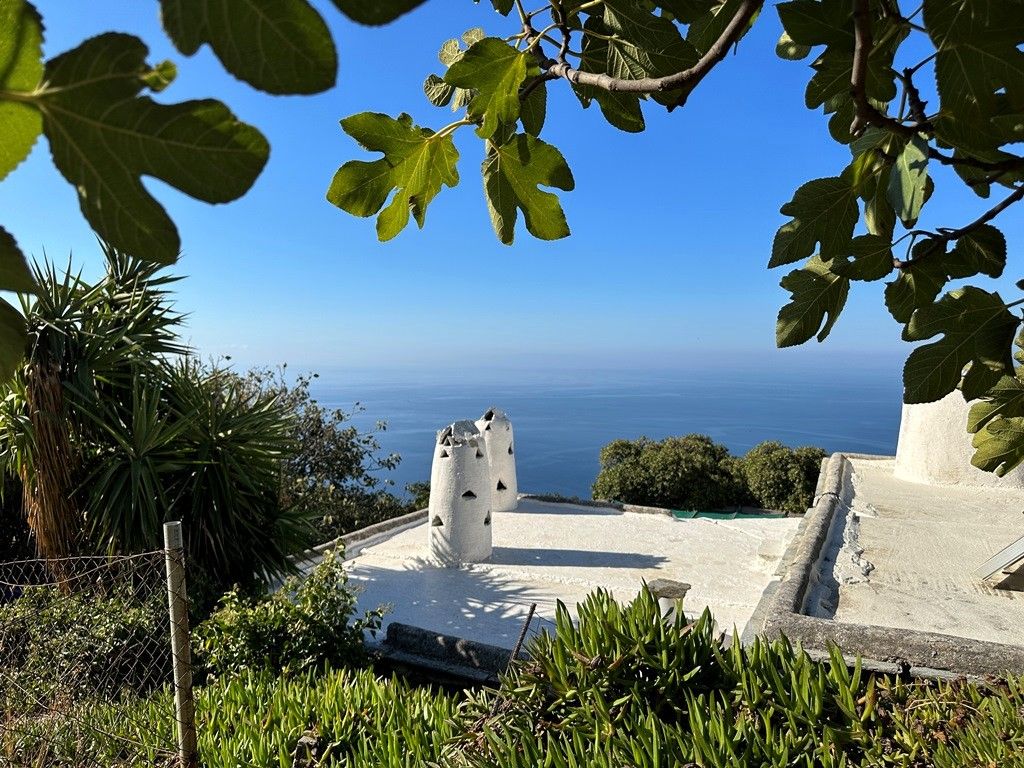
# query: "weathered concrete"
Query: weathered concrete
909,554
453,656
810,592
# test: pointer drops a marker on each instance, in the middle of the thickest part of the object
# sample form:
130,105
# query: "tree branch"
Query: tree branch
684,81
1014,197
558,17
1000,167
946,235
867,114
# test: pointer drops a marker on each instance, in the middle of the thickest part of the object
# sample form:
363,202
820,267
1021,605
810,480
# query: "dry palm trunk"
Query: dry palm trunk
47,485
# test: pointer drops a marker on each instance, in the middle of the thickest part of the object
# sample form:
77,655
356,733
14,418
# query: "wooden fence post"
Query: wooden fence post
181,652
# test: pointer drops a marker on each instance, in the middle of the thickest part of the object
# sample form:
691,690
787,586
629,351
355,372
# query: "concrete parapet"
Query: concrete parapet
802,591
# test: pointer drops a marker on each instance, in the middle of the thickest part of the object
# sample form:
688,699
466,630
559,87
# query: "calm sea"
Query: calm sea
562,420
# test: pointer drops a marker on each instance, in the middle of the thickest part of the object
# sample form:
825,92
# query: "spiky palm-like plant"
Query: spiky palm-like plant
86,341
113,429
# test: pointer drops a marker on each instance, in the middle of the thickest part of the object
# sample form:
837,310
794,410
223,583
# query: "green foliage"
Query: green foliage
278,46
908,181
694,472
21,69
247,463
972,48
258,718
621,686
420,493
375,12
104,137
330,471
823,210
416,163
303,626
977,330
229,446
782,478
493,70
626,686
513,173
501,84
691,472
617,664
13,335
817,292
105,134
94,642
15,535
153,434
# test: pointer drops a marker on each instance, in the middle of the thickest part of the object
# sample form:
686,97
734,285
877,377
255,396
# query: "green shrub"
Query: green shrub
626,654
304,625
190,444
420,493
622,686
331,473
782,478
351,512
15,536
694,472
95,643
110,414
691,472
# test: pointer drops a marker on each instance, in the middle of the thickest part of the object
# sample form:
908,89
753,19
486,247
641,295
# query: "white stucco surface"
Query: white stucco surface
460,497
910,551
935,448
547,552
498,437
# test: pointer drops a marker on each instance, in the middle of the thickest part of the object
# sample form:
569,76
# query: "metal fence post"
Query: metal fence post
181,652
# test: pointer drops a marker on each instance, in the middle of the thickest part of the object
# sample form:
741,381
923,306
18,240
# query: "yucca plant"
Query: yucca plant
228,493
86,341
112,429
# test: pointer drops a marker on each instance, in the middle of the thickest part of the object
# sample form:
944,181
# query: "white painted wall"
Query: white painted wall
499,444
459,518
935,448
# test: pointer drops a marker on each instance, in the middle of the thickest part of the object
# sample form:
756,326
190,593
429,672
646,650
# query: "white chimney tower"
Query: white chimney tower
499,447
460,498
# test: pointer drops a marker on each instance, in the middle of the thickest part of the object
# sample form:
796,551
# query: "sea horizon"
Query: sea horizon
563,416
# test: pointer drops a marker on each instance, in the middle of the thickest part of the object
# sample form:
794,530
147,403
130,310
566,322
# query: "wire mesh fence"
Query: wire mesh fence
85,658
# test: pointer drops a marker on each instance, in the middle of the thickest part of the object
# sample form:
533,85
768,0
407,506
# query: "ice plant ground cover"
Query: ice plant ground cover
623,686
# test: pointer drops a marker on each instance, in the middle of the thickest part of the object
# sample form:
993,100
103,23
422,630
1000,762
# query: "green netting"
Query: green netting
710,514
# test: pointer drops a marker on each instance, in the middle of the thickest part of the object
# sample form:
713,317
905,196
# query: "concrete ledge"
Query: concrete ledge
355,541
445,655
557,498
784,609
922,653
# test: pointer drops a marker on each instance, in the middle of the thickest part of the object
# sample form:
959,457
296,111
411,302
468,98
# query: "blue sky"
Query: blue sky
671,228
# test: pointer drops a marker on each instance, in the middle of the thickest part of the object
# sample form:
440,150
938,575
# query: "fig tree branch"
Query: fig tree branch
948,235
866,113
684,81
